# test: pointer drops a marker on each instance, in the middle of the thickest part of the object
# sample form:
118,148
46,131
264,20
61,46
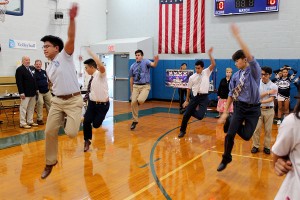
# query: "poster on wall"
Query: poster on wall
21,44
177,78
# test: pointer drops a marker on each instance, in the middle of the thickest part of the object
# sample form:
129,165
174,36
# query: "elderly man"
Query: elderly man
27,89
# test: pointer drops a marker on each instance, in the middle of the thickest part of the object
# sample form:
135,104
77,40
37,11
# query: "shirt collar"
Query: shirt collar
94,74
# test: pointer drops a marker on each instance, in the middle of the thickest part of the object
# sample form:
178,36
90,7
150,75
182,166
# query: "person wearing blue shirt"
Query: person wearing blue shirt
44,94
244,93
139,83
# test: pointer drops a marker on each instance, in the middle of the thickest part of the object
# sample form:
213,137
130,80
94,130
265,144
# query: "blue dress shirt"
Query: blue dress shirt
250,90
140,71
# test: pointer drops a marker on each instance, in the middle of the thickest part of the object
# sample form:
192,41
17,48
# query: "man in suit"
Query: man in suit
28,90
44,95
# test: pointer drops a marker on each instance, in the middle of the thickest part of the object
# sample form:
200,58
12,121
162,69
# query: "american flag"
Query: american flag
181,26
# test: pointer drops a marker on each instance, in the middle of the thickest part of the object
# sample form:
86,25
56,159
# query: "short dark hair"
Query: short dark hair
139,51
199,62
267,69
238,54
90,62
183,64
56,41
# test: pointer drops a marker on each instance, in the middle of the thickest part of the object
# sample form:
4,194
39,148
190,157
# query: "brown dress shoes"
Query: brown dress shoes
47,170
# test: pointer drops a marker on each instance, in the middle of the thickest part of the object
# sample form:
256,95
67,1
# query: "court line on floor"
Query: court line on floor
38,135
165,176
182,166
239,155
157,182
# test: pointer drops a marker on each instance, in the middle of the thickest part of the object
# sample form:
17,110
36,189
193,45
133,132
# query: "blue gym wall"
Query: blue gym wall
161,92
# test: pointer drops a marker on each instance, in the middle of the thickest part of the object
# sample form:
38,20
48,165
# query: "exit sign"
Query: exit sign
111,48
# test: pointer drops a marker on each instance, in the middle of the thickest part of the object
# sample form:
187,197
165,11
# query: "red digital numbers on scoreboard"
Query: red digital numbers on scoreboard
220,5
271,2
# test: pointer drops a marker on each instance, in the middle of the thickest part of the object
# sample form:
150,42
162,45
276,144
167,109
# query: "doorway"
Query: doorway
121,77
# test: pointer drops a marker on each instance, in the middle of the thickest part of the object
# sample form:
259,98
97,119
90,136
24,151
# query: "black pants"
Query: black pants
242,112
182,93
191,110
95,114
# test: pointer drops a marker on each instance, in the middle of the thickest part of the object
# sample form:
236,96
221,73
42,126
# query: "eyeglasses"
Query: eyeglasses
265,74
47,46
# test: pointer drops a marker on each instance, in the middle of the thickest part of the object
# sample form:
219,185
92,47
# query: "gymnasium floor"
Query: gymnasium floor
150,162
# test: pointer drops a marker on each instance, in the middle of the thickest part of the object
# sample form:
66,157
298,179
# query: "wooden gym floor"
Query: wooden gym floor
150,162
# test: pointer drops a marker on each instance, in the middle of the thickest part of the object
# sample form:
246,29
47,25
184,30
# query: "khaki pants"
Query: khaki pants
43,98
138,97
266,117
26,110
59,107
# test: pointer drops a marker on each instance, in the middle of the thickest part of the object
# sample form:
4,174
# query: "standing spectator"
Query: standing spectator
28,90
223,91
278,75
198,85
244,93
67,100
182,92
286,155
44,92
97,97
139,83
284,87
268,91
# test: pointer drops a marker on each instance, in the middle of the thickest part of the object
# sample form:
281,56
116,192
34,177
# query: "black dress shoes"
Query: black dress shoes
47,170
254,150
181,134
222,166
87,144
133,125
227,123
267,151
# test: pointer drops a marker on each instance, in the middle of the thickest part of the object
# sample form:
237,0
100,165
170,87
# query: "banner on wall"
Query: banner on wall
21,44
177,78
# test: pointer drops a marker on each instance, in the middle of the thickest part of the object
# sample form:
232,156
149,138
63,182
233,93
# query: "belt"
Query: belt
199,94
99,102
247,104
141,83
68,96
267,107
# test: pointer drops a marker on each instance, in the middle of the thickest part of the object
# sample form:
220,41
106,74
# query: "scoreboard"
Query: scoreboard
233,7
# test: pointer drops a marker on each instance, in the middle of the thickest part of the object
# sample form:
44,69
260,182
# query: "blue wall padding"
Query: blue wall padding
160,91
